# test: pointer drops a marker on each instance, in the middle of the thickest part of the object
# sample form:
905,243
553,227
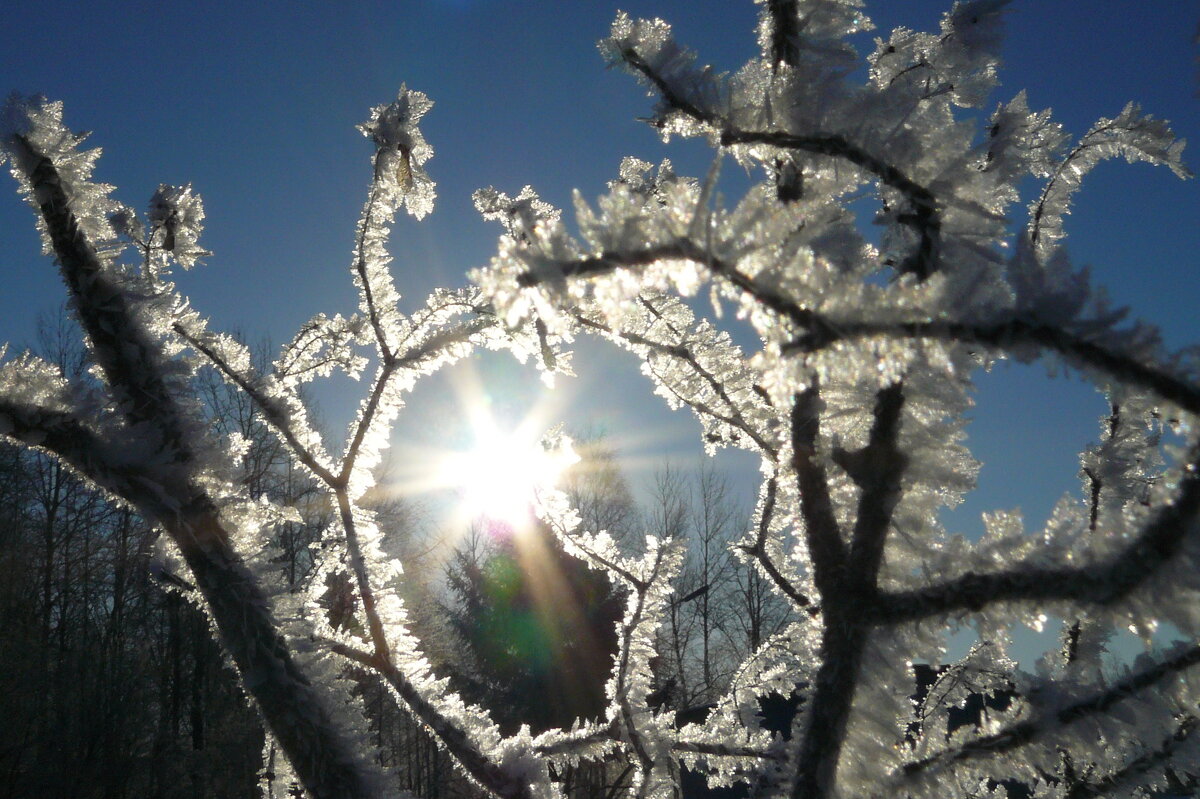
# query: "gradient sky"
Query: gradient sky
255,104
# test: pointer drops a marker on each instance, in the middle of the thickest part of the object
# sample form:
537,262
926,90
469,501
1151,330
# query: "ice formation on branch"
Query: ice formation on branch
854,399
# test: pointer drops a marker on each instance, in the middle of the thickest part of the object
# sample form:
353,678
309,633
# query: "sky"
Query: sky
255,104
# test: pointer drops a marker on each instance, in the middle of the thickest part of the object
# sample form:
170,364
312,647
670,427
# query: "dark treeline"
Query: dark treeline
110,686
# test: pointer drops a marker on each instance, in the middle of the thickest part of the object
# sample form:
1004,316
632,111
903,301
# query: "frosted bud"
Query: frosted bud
402,151
176,219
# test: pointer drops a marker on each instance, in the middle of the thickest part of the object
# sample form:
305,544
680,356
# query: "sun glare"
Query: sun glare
499,476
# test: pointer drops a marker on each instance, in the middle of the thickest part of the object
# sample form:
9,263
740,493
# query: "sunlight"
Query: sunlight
499,476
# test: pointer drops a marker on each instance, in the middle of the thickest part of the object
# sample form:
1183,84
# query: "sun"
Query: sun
500,474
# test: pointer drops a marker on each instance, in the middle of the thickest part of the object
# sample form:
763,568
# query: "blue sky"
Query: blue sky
255,104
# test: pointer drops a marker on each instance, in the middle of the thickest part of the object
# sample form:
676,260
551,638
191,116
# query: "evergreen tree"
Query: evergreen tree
538,628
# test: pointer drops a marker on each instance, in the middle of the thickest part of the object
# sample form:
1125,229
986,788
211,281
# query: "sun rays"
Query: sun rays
500,474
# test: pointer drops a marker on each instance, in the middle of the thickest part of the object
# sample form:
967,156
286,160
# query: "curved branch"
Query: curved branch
1005,335
482,770
1161,539
605,262
1023,732
685,355
272,413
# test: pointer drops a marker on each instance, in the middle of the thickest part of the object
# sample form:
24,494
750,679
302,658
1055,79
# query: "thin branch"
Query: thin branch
759,551
362,578
374,401
274,415
1024,732
1039,209
427,350
460,747
621,689
572,746
1100,584
360,267
1141,765
1007,335
605,262
717,386
595,557
681,352
710,749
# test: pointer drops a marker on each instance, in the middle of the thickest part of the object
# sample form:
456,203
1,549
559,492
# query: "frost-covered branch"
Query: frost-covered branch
1129,134
277,414
826,543
758,549
484,772
1053,718
845,578
722,408
1160,540
923,218
137,377
74,443
1123,777
121,346
606,262
1013,334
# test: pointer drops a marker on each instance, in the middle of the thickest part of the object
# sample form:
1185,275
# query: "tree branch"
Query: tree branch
759,551
684,354
847,580
487,774
924,219
120,345
1024,732
1111,782
821,529
1004,336
878,469
1103,584
130,359
275,416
